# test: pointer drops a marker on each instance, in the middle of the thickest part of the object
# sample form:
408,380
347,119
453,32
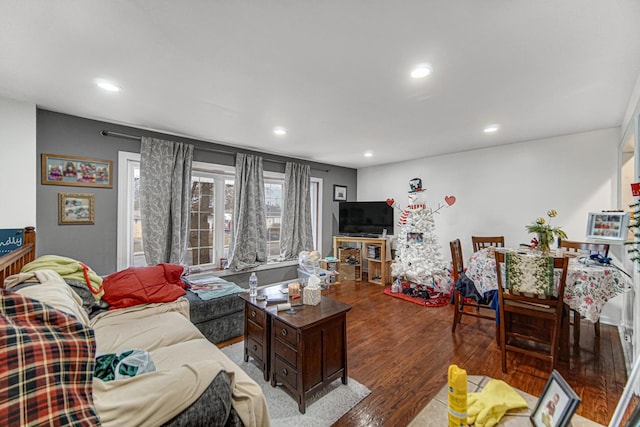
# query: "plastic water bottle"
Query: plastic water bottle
253,285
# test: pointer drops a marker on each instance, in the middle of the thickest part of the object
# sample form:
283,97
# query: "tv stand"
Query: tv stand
379,265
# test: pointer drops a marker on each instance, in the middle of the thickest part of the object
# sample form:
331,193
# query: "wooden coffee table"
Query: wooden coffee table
309,348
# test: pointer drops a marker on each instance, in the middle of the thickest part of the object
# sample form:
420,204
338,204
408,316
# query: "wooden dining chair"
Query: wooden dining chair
530,315
474,309
591,248
482,242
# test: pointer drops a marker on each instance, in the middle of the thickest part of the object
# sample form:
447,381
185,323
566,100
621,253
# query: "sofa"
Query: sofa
192,382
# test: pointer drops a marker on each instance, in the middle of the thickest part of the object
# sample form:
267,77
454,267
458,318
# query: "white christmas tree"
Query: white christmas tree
418,256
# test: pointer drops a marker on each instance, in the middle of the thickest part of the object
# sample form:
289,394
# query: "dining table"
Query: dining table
588,287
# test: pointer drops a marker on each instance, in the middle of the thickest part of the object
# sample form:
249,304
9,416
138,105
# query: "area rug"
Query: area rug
436,299
323,408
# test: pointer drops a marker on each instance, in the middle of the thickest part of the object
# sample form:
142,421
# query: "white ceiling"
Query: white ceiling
335,73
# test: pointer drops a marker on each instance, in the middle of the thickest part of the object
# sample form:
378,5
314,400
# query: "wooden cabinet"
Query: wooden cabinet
370,249
256,333
350,263
309,348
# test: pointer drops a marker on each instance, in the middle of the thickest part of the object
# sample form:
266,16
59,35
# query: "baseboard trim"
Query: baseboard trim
626,340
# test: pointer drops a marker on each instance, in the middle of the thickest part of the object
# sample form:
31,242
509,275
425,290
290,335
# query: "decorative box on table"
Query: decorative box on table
311,296
330,265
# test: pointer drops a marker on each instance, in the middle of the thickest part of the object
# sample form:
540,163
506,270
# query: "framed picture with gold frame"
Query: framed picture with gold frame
76,208
76,171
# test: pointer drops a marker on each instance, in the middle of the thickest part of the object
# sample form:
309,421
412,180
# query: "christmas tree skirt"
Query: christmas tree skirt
436,299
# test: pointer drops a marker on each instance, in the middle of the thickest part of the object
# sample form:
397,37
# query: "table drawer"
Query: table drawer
255,349
285,373
255,315
287,353
255,331
285,333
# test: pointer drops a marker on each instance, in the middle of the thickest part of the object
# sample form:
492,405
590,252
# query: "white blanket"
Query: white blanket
186,363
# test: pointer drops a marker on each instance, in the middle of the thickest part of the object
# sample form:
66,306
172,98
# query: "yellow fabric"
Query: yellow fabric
68,268
486,408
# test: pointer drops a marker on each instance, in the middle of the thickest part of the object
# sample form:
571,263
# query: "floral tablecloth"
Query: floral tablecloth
587,290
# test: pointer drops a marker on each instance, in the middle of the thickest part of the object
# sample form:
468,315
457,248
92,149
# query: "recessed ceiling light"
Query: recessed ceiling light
421,71
491,128
103,84
368,154
279,130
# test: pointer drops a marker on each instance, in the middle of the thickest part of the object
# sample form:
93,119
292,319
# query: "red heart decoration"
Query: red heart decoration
390,202
450,200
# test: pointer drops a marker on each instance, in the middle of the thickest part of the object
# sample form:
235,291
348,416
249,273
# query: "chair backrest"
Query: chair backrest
481,242
528,277
528,274
456,258
593,248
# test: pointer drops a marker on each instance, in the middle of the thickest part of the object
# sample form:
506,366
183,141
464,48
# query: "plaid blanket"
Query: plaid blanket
46,365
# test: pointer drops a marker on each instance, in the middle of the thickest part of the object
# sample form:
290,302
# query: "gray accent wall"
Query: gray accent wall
95,245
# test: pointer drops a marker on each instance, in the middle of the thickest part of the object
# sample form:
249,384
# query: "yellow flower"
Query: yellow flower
544,229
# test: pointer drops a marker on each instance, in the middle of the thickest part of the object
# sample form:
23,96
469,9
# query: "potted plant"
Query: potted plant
545,232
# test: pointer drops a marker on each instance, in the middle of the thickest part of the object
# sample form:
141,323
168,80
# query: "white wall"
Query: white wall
18,163
501,189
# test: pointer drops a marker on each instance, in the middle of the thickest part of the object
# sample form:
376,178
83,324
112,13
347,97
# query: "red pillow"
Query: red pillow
142,285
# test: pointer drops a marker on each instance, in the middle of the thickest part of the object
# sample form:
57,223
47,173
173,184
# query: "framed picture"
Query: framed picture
76,208
76,171
415,238
339,193
608,225
556,405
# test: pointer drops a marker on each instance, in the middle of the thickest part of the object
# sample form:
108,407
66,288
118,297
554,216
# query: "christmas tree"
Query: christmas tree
418,256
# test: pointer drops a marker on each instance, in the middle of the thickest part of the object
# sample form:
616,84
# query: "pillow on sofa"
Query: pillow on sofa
46,368
143,285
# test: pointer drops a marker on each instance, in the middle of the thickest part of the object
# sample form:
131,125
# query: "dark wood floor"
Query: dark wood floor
401,352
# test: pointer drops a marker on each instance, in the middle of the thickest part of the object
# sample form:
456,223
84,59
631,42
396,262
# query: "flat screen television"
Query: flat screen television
365,219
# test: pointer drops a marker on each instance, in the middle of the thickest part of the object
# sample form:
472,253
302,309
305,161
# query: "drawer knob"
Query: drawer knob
284,332
255,347
253,313
285,372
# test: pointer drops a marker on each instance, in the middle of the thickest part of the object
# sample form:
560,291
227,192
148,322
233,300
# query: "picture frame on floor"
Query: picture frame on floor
557,404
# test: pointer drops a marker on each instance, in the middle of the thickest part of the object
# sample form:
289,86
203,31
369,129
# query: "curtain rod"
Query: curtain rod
212,150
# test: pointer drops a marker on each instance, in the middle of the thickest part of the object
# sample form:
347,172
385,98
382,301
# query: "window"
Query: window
212,192
273,200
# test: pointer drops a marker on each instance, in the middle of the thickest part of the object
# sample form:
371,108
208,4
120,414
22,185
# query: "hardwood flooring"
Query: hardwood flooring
401,352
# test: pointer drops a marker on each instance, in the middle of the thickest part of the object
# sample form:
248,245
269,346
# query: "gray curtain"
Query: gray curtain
165,199
296,230
249,236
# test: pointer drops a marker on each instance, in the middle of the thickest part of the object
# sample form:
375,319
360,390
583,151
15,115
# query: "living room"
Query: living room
500,184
